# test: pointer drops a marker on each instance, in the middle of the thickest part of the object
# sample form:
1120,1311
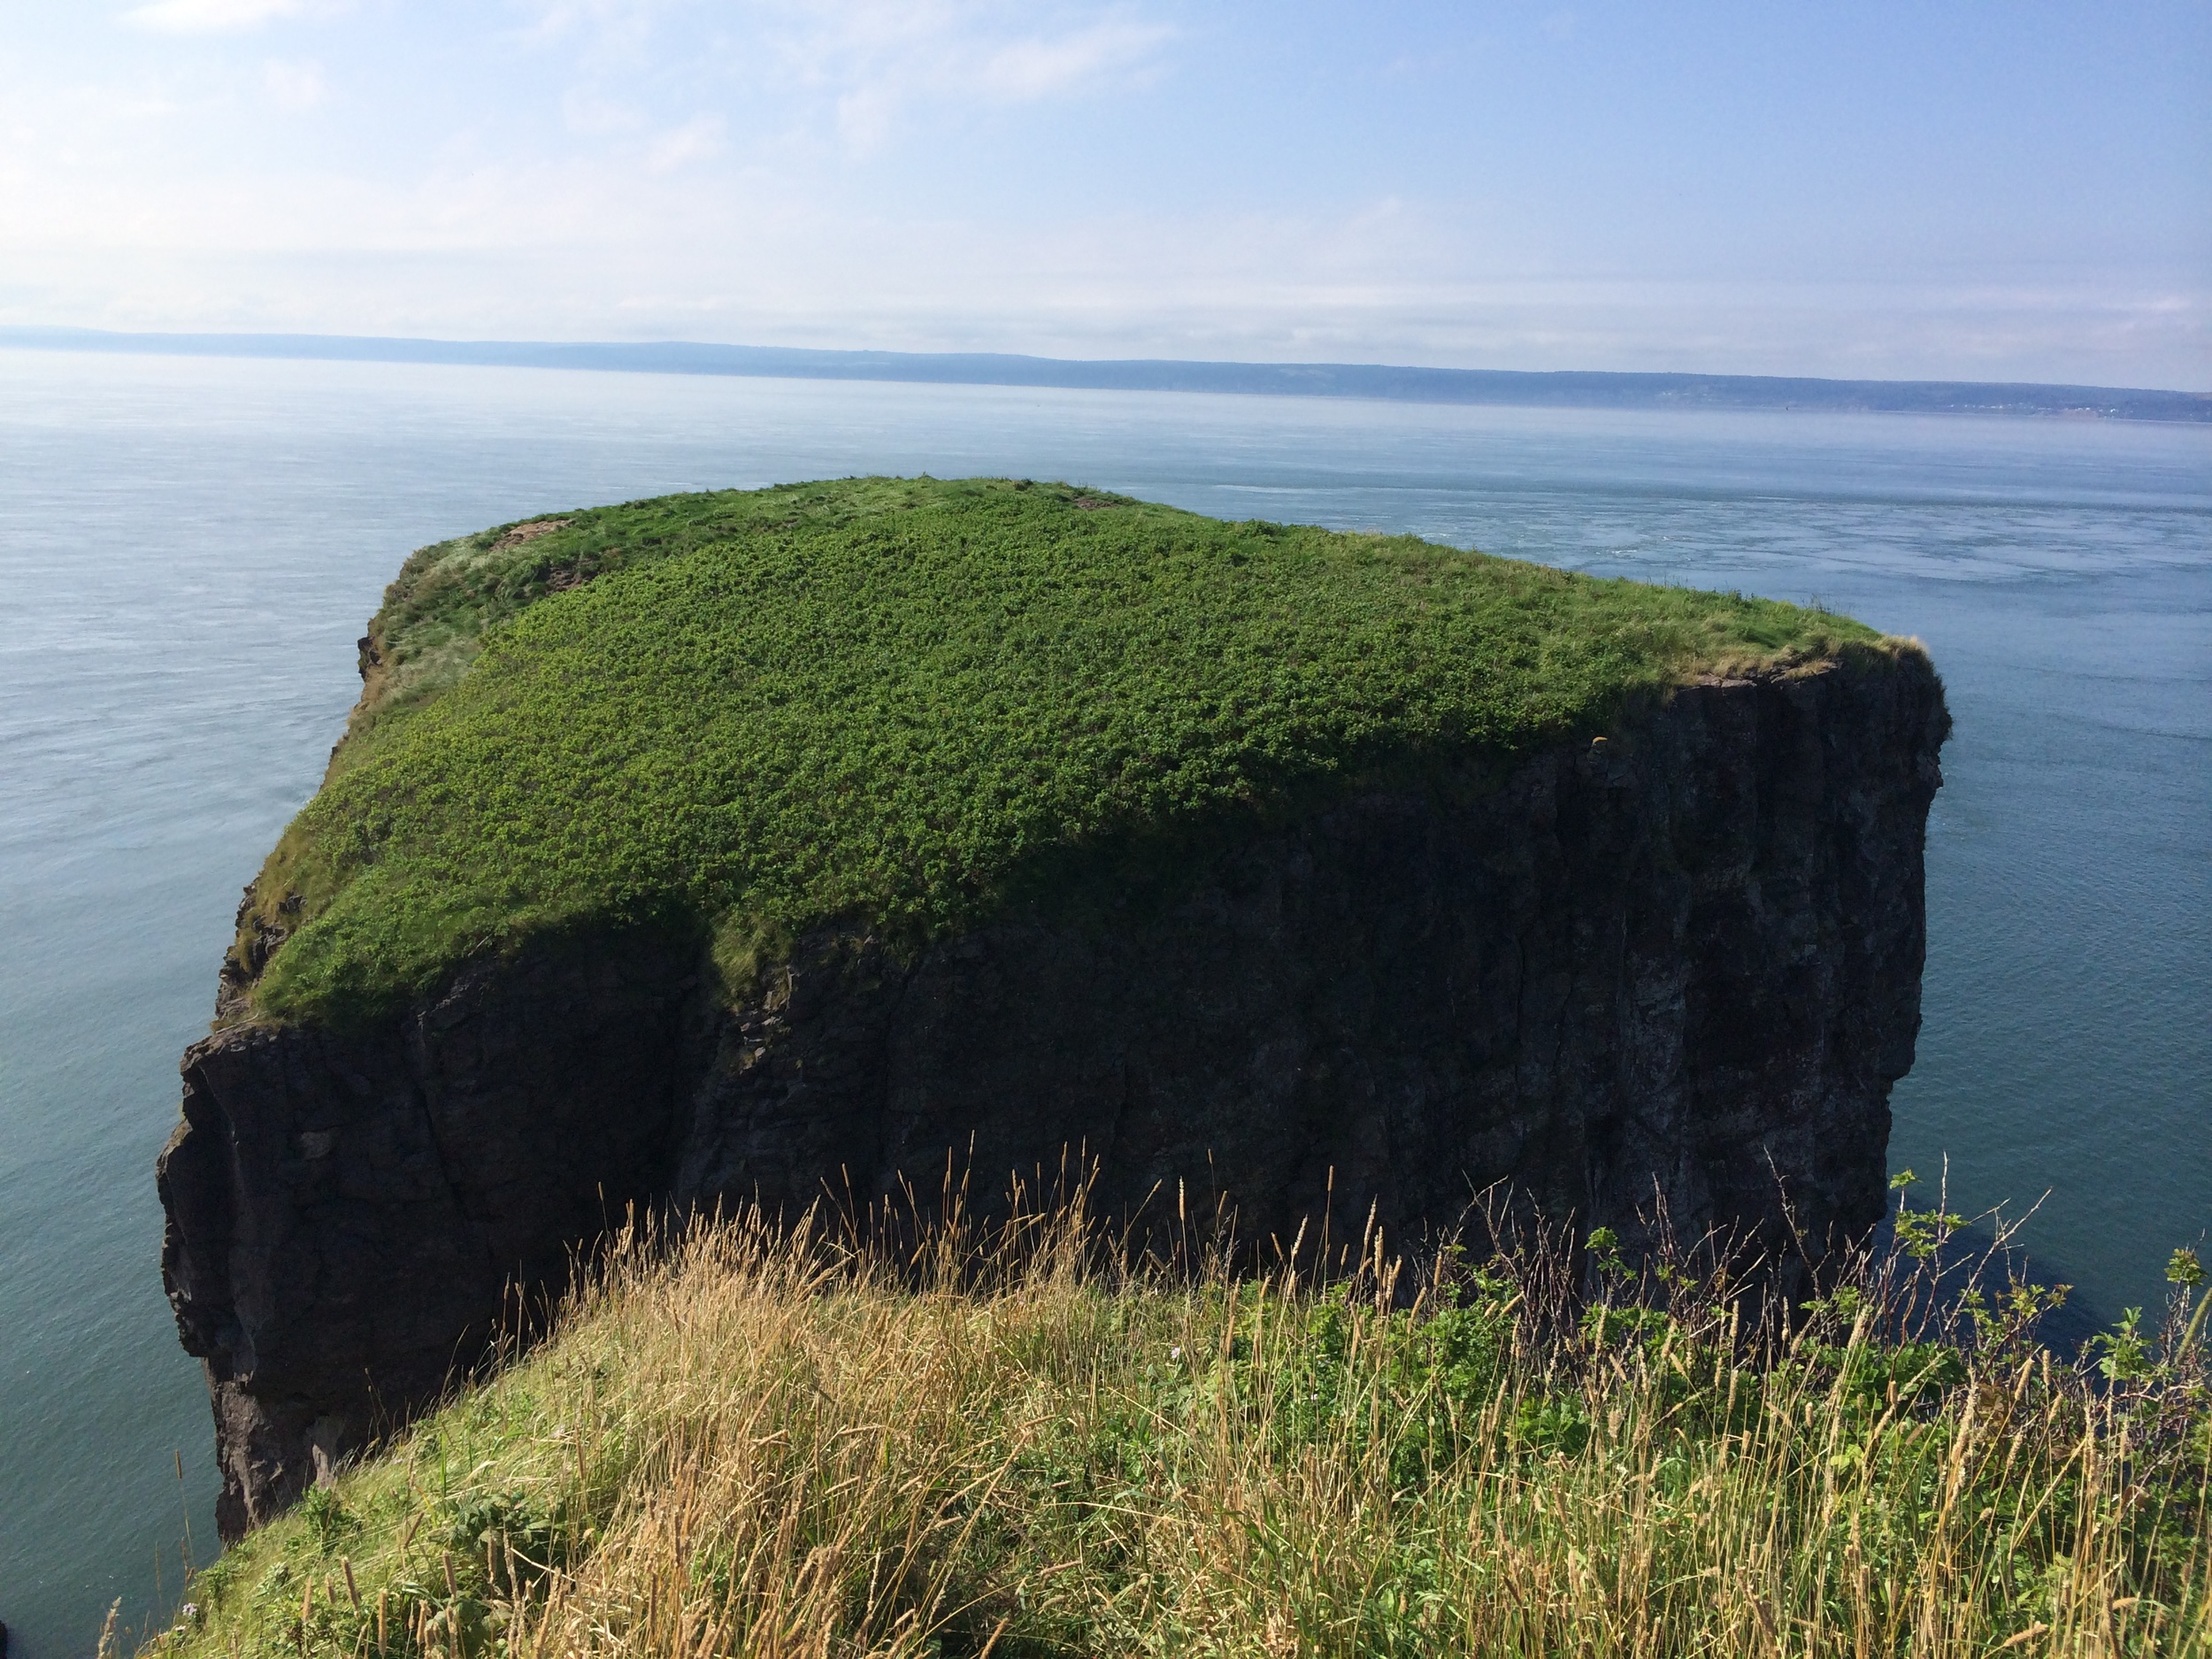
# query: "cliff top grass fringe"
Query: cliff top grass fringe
1018,1442
889,701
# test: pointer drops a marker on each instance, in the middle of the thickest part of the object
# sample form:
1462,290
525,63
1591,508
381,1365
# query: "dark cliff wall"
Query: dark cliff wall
1682,964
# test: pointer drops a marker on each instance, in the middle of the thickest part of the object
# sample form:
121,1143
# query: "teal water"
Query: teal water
188,550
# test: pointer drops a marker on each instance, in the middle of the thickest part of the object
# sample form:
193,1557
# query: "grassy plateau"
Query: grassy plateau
893,702
1017,1441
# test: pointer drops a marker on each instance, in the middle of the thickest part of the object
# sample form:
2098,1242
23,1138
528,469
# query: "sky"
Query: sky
1944,188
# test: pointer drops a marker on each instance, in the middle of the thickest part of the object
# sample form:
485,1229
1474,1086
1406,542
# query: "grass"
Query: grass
1019,1442
903,704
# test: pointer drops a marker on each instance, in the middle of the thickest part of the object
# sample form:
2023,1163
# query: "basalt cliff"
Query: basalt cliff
1671,964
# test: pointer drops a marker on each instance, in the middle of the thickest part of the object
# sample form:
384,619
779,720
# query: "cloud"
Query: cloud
610,31
589,115
211,16
880,63
862,69
865,114
1038,68
294,86
694,141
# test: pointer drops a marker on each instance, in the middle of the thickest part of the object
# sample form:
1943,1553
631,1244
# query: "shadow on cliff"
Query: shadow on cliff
1679,963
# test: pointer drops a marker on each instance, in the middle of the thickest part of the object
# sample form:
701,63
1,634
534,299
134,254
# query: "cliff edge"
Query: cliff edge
1457,872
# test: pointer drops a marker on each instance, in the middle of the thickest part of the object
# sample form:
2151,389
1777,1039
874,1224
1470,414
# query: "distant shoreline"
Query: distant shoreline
1565,389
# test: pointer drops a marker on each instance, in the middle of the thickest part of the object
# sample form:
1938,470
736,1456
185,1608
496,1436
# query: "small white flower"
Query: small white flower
1176,1353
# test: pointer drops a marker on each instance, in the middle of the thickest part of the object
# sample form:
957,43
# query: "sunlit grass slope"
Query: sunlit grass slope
888,701
1022,1446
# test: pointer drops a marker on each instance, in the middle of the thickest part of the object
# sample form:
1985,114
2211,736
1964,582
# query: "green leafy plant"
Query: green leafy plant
2185,1270
2125,1349
329,1521
1920,1233
902,704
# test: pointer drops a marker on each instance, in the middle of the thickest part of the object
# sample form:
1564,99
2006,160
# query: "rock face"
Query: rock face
1680,965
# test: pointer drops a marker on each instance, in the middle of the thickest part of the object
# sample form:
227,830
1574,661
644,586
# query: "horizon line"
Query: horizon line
1388,383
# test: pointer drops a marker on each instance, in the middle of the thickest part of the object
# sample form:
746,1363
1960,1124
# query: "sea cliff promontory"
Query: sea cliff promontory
731,846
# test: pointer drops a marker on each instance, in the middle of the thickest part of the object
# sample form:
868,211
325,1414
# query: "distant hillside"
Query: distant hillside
1573,389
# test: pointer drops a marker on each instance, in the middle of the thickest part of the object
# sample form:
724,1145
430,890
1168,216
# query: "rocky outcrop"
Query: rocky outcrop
1679,964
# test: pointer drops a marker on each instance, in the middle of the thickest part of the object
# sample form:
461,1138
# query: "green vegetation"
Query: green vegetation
900,703
1017,1442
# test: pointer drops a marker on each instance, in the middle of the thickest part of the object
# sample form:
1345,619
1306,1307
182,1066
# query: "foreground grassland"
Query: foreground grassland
897,702
1015,1445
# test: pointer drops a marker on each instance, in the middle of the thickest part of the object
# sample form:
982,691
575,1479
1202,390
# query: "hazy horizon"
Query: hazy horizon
1994,193
1395,382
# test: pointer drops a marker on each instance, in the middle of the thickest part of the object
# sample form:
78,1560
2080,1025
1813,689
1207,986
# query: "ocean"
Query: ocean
188,548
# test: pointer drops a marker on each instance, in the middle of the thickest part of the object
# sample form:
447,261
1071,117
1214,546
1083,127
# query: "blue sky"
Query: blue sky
1990,190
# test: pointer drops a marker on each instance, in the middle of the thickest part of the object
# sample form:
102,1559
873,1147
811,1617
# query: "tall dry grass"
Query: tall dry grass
1016,1440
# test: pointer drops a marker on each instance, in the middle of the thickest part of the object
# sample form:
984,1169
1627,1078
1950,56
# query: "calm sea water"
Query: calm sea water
188,548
